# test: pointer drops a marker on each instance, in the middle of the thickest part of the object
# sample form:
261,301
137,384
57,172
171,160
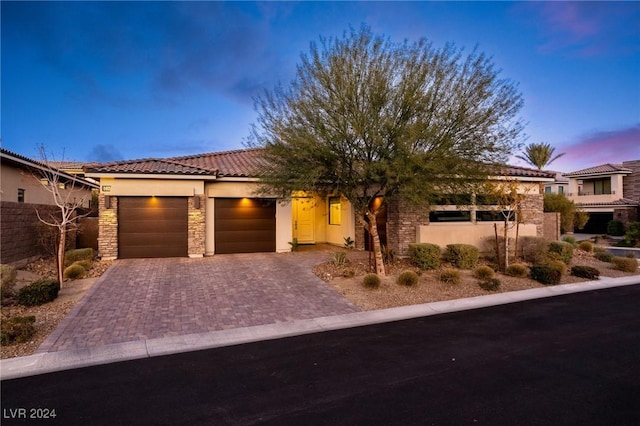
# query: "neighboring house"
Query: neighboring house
22,192
207,204
558,186
606,192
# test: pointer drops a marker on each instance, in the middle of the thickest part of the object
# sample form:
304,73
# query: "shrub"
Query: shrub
632,237
388,255
75,255
484,273
517,270
424,255
8,276
462,255
349,273
558,265
492,284
17,330
586,246
615,228
339,258
561,250
569,239
408,278
626,264
371,281
534,249
450,276
74,271
585,272
39,292
545,274
603,256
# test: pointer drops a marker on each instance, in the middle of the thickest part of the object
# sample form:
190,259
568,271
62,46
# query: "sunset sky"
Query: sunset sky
95,81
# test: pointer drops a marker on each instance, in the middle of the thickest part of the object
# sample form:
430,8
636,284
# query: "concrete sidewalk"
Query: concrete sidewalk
57,361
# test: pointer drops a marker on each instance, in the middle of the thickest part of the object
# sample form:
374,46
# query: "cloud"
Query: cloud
584,28
603,147
104,153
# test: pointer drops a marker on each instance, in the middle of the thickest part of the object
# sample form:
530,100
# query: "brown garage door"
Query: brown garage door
244,225
152,227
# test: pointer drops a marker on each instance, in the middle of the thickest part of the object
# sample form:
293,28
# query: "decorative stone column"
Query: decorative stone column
108,227
196,225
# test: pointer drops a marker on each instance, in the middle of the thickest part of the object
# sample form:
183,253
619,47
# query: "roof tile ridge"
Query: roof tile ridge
175,162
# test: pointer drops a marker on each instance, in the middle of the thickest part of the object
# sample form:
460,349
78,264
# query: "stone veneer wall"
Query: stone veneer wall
403,219
196,226
626,215
108,228
532,209
631,182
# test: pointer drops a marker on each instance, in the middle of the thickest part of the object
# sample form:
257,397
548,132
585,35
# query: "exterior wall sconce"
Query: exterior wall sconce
107,201
196,202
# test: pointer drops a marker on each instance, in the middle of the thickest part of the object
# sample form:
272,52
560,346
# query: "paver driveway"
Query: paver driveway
138,299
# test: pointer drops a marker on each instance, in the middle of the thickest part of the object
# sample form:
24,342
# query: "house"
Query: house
558,186
23,192
207,204
606,192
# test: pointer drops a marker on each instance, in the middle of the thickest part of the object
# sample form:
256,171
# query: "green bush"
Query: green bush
586,246
558,265
17,330
561,250
588,272
492,284
463,256
39,292
339,258
74,271
450,276
632,237
534,249
484,273
569,239
626,264
603,256
408,278
545,274
517,270
371,281
615,228
425,255
75,255
8,276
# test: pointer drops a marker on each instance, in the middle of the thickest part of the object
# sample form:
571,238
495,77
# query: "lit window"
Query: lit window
20,195
335,211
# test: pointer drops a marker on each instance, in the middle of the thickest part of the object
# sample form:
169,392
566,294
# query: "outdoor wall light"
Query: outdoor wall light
196,202
107,201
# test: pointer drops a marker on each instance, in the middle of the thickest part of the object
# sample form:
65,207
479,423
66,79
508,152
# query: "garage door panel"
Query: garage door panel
244,225
152,227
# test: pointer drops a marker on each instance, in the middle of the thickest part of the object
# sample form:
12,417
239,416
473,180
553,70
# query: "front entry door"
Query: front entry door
303,220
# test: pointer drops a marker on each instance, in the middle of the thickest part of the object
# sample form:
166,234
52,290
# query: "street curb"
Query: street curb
42,363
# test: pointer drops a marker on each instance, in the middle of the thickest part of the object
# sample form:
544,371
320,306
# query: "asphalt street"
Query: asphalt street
566,360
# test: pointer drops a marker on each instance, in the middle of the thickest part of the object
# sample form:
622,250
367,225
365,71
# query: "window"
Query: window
20,195
335,211
547,190
561,190
449,216
602,186
493,216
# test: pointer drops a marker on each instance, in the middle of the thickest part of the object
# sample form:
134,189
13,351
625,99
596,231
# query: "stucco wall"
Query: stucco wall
467,233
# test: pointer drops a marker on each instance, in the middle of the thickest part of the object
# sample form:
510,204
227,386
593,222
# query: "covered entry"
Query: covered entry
152,227
245,225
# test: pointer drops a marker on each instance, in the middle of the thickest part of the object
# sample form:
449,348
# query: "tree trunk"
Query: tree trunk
375,238
61,249
495,229
506,244
515,251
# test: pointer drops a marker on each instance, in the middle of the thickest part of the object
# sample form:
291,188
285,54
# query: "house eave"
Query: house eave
150,176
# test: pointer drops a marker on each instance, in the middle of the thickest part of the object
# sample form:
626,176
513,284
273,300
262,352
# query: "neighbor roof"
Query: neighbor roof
599,170
620,202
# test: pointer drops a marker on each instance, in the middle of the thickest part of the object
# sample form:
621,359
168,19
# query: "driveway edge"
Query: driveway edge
42,363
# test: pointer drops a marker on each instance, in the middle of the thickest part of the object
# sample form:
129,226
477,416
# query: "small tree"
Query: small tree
571,216
507,196
64,190
370,119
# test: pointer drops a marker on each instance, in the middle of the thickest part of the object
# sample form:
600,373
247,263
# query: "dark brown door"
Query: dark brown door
152,227
245,225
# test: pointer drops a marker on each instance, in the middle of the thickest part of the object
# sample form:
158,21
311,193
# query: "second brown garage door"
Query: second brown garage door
244,225
152,227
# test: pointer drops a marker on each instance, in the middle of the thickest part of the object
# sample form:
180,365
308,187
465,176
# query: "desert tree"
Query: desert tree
65,193
572,217
539,155
368,118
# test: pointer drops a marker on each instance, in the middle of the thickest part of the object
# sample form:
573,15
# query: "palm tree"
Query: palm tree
539,155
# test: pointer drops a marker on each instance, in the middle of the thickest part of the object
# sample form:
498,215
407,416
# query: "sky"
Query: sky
110,81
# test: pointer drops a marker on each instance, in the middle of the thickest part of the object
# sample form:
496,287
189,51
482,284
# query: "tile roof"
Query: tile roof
602,169
620,202
150,166
518,171
237,163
